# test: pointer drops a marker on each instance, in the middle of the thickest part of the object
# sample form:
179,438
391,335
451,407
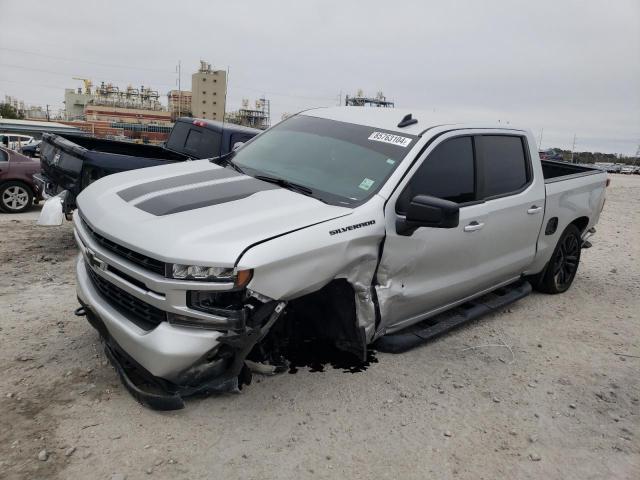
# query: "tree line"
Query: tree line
8,111
593,157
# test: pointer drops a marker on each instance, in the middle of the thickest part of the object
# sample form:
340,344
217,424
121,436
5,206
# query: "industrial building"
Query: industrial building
179,103
359,100
107,111
208,92
28,112
257,117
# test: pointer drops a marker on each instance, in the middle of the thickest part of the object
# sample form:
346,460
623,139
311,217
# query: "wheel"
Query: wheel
559,273
15,197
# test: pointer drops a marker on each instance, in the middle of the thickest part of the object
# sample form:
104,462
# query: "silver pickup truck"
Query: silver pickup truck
358,226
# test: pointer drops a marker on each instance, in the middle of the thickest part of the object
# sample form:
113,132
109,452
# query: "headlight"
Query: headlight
211,274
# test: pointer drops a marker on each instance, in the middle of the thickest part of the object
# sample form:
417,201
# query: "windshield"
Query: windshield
341,163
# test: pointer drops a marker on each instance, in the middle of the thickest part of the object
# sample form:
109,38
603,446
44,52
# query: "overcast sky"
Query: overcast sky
570,67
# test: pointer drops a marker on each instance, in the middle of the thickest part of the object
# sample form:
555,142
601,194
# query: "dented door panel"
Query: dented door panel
430,268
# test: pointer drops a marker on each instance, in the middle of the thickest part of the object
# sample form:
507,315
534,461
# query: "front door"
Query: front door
433,267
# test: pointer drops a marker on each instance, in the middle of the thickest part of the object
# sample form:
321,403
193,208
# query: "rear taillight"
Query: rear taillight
199,123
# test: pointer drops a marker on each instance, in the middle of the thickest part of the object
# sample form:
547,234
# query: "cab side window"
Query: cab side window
506,170
448,172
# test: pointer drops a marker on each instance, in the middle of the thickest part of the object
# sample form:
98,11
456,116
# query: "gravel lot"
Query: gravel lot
565,405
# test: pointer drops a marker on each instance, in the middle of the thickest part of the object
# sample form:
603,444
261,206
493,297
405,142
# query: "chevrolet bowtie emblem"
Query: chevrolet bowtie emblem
94,261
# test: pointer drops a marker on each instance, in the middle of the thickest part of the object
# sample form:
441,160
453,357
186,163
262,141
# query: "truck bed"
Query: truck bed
556,171
71,162
572,192
99,145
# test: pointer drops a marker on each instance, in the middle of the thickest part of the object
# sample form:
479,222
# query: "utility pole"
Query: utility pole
179,88
48,119
540,139
573,147
226,83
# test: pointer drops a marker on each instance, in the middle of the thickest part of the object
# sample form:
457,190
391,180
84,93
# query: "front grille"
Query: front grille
149,263
144,315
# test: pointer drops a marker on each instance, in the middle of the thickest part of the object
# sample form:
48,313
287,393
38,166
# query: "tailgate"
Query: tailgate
61,161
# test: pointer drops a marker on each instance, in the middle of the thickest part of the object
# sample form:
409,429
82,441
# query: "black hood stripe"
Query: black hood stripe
205,196
215,173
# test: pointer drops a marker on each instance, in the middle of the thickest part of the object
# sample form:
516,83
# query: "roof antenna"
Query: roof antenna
406,121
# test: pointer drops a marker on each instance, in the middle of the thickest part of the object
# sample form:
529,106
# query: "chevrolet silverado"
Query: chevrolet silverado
360,226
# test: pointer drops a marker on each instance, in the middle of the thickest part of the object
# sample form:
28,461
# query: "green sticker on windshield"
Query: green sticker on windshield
391,161
366,184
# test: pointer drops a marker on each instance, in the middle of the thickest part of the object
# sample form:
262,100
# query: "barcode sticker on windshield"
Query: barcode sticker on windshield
390,138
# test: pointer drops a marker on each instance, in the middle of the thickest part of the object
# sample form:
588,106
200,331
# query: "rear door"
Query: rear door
514,199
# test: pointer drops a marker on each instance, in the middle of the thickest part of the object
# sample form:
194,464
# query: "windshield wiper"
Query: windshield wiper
225,160
285,184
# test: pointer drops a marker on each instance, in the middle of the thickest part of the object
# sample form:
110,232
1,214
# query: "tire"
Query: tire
15,197
559,273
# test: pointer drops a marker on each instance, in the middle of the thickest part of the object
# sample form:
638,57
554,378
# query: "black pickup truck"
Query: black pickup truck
71,162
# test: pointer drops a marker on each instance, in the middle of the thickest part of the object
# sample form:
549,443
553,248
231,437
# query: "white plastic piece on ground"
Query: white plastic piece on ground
52,214
261,368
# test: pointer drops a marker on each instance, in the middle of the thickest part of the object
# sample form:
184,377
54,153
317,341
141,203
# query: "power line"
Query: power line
53,87
76,60
67,75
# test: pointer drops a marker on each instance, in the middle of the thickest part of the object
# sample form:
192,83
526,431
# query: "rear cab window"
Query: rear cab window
506,167
195,141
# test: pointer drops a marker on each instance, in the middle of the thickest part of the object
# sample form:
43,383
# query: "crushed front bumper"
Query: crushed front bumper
161,366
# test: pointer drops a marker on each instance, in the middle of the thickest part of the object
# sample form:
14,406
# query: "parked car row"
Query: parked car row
619,168
630,170
14,141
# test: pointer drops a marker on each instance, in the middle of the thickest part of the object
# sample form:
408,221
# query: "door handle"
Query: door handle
534,209
473,226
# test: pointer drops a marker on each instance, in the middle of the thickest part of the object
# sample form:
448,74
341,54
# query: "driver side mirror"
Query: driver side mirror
237,145
427,211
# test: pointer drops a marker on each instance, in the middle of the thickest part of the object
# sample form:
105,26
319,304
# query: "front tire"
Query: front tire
561,270
15,197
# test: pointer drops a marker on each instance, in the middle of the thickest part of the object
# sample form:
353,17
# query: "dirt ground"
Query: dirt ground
564,405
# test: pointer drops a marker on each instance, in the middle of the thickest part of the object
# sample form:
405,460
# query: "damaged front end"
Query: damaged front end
222,369
170,336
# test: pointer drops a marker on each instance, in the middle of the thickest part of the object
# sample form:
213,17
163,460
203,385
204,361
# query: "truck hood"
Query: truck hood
196,212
